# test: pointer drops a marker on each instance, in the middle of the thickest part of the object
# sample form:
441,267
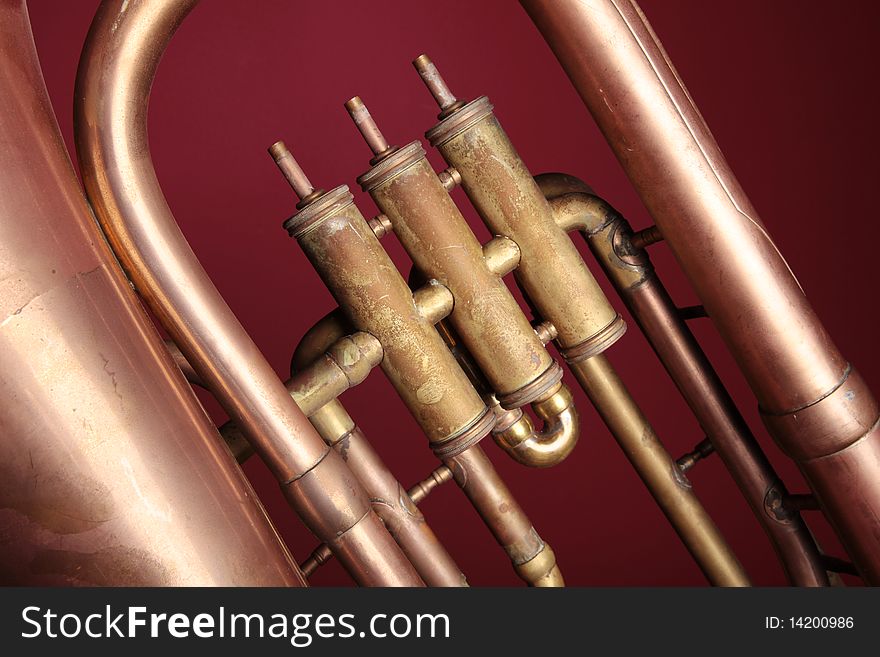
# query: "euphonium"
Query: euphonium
108,445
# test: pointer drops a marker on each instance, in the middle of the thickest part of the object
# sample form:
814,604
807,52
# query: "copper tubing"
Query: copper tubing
814,404
375,299
118,64
344,364
630,271
670,488
389,499
533,559
564,292
111,473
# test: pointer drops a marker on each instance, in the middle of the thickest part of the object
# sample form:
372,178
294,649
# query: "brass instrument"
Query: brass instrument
109,448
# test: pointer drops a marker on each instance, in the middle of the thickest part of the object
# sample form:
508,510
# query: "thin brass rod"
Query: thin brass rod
661,475
417,493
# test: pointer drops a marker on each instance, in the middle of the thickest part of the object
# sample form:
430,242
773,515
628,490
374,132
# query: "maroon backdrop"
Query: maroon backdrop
787,87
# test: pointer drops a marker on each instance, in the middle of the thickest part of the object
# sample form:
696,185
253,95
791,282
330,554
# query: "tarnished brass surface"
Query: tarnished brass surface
564,292
389,499
374,298
437,238
120,58
474,474
511,204
517,435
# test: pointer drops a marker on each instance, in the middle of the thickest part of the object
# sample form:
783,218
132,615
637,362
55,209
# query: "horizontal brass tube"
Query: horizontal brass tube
630,270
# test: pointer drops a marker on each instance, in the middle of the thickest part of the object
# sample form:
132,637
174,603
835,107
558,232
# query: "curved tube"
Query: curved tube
119,61
516,435
111,473
817,408
631,272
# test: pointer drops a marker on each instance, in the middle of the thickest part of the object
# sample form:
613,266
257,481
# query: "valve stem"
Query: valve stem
291,169
437,86
368,128
294,174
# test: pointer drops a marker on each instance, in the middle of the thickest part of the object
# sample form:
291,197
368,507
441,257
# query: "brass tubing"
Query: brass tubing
661,475
420,490
558,435
375,299
558,283
111,475
417,493
440,243
818,410
344,364
391,502
511,205
119,61
630,270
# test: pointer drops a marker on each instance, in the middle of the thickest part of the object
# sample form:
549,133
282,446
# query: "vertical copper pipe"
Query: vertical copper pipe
630,270
814,404
119,62
111,473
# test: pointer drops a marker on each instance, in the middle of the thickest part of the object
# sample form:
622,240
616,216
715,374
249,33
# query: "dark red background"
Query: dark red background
788,89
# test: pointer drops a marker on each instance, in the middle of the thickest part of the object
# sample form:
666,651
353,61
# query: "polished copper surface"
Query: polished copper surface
746,286
112,473
119,61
